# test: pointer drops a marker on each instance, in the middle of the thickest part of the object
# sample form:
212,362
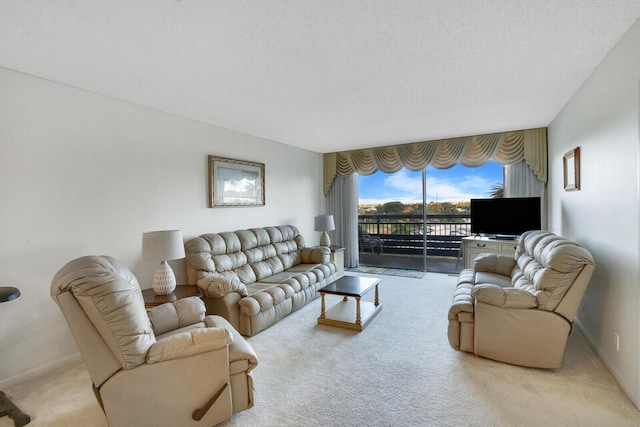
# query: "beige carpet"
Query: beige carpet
399,372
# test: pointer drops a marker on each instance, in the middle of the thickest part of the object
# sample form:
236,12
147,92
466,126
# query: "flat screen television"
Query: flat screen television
504,218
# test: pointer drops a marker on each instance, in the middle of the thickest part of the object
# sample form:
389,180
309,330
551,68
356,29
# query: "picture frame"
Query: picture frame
571,167
235,182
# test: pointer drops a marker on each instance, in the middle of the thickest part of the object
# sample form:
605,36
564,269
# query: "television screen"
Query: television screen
507,217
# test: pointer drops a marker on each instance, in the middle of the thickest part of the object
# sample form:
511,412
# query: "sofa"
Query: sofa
168,366
255,277
521,309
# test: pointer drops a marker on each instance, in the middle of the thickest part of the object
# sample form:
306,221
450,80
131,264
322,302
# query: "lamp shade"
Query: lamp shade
324,223
162,245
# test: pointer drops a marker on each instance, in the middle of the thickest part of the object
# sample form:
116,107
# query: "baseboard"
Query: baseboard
32,373
629,391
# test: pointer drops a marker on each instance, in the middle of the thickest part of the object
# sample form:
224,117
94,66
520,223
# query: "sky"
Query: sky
443,185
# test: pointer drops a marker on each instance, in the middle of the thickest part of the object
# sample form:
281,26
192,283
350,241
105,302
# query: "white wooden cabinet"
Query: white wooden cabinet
474,246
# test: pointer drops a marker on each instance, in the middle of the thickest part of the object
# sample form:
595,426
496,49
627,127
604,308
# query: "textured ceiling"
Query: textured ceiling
324,75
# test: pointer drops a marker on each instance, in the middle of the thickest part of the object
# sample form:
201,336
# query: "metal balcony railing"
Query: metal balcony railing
405,234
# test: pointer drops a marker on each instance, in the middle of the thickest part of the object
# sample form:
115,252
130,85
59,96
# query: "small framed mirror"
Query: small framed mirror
571,166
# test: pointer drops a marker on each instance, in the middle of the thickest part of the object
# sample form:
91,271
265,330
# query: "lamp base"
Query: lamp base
324,239
164,281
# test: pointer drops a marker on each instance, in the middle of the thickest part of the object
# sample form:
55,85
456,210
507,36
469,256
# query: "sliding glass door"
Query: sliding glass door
416,220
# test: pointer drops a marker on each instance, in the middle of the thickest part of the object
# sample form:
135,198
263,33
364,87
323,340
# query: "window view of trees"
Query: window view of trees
406,218
399,208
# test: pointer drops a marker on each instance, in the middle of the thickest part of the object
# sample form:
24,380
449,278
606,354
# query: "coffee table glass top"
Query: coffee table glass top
353,286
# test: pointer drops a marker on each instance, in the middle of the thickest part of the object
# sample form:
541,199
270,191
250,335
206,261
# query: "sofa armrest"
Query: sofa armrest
173,315
241,349
494,263
504,297
189,343
218,287
462,306
315,255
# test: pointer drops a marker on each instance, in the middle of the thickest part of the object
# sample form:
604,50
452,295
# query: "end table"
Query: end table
337,256
181,291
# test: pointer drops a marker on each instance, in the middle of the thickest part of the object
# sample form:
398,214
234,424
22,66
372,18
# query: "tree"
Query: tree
391,208
497,191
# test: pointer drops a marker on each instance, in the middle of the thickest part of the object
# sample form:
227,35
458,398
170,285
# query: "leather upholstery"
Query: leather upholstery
151,368
255,277
521,310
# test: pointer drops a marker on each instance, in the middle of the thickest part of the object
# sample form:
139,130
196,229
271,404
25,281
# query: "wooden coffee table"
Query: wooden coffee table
353,313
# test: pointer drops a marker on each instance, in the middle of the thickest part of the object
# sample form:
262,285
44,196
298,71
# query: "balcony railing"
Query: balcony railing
404,234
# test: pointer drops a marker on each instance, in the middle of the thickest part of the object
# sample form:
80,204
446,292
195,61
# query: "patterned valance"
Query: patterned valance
504,148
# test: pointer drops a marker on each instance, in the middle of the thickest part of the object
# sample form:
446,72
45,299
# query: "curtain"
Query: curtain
342,203
505,148
520,181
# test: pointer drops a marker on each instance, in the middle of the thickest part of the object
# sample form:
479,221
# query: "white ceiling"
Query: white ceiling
325,75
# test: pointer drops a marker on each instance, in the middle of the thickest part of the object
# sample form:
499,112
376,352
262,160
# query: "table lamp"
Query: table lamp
324,223
163,246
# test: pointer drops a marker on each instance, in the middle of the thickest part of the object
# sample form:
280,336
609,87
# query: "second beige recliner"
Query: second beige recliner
521,309
169,366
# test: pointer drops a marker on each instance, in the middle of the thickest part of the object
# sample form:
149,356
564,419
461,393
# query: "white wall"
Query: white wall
84,174
603,119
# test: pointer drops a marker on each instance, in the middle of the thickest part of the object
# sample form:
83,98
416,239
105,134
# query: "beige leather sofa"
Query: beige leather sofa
255,277
521,310
170,366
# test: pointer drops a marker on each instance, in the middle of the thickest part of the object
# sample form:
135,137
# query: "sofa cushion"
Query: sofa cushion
317,255
504,297
266,267
494,263
262,297
217,285
287,242
176,314
218,253
270,288
493,278
547,266
303,268
279,277
231,241
291,272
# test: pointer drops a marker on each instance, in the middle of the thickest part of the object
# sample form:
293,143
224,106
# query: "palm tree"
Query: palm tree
497,191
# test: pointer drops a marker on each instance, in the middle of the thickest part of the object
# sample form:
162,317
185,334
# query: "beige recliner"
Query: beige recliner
520,310
170,366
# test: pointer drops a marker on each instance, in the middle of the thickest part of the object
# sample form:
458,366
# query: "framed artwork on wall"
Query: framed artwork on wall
571,166
235,182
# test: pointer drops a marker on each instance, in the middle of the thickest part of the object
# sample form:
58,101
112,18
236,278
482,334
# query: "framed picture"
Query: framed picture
571,166
235,182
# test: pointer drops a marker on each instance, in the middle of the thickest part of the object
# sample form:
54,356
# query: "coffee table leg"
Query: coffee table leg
322,305
358,321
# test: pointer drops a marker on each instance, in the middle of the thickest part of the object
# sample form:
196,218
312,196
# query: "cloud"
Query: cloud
402,182
406,187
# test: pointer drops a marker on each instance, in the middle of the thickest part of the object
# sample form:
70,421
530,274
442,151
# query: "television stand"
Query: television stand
474,246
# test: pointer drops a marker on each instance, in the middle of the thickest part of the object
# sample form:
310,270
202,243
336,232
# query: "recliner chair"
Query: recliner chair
520,309
169,366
